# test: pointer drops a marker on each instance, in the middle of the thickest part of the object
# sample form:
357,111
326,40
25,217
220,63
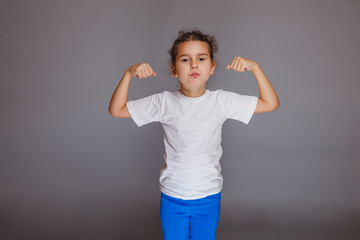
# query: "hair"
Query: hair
193,35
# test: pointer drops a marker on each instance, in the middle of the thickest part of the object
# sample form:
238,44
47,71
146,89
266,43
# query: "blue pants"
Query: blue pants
201,215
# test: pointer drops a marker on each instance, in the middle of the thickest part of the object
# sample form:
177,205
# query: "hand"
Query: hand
240,64
141,70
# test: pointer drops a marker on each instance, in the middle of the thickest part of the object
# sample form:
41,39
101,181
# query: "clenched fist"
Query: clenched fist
141,70
240,64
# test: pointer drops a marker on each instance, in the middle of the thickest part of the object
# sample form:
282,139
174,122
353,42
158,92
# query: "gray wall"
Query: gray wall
69,170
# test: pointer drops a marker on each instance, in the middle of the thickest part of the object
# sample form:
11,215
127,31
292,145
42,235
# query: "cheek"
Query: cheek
180,69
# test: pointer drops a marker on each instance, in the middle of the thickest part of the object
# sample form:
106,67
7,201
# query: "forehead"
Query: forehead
193,48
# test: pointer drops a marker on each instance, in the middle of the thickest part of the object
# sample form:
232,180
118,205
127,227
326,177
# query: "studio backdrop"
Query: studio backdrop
70,170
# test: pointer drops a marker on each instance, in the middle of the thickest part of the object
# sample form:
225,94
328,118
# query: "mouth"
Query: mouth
195,74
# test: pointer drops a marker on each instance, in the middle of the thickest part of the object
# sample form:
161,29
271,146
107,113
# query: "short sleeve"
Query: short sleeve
146,110
236,106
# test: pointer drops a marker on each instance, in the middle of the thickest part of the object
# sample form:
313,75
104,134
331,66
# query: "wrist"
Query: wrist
256,68
128,73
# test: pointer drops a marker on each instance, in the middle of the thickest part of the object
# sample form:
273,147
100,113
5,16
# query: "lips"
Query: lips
195,74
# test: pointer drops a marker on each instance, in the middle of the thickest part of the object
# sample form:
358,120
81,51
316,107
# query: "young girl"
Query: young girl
192,118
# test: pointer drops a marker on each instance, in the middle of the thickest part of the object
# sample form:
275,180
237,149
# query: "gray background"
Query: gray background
69,170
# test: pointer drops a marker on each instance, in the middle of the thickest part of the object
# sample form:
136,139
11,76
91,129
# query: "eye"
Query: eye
184,60
202,59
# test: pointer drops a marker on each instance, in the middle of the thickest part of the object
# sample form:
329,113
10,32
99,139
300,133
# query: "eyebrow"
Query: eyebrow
189,54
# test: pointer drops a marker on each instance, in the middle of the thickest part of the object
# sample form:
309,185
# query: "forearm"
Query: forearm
120,96
266,90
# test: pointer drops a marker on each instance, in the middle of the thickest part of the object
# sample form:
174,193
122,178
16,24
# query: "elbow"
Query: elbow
112,113
273,106
276,106
117,115
120,113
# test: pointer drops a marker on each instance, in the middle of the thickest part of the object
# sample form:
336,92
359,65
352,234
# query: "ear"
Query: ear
173,71
213,64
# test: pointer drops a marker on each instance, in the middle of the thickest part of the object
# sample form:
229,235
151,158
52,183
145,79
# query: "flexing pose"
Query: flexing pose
192,118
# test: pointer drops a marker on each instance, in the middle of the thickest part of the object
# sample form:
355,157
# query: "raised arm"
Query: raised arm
117,107
268,100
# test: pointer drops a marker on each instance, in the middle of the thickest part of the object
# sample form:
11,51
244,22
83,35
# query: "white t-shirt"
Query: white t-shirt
192,136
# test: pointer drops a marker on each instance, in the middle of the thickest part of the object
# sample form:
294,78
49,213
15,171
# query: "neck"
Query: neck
197,92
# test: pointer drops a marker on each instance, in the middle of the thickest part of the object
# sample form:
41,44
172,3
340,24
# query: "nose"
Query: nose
194,65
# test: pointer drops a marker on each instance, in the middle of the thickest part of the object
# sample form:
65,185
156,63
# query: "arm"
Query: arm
117,107
268,100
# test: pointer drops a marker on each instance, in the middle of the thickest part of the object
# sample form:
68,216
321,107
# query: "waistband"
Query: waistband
206,199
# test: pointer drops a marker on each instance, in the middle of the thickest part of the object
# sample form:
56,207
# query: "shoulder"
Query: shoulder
168,93
223,94
228,98
159,95
215,93
229,94
155,98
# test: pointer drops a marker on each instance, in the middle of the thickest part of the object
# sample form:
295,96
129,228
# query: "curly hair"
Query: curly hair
193,35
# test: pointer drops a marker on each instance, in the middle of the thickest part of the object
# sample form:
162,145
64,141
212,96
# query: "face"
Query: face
193,64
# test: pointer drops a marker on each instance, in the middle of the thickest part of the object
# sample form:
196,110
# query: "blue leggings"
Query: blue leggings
201,215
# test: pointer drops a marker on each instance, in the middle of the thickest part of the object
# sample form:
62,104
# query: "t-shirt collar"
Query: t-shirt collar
182,96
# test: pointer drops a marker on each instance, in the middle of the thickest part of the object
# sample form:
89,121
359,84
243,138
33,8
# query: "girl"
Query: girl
192,118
